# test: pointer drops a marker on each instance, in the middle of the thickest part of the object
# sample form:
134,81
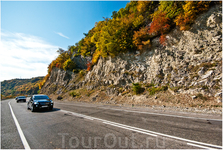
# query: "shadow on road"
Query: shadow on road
45,110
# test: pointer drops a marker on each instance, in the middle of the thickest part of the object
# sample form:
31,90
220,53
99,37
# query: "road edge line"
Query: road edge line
195,145
24,141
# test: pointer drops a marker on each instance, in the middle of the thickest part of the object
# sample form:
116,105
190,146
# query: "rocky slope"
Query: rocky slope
190,63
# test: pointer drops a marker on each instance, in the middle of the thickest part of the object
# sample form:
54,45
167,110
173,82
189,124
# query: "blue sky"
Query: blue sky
32,31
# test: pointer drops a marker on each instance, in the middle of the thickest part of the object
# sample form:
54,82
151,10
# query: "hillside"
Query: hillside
147,54
131,29
14,87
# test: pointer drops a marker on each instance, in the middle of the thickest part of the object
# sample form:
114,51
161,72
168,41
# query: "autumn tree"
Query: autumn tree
132,28
171,8
72,49
141,38
189,13
113,37
160,23
69,65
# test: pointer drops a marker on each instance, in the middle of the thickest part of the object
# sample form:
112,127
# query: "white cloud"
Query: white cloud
24,56
61,34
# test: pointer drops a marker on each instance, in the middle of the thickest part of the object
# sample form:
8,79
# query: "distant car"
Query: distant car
38,102
20,98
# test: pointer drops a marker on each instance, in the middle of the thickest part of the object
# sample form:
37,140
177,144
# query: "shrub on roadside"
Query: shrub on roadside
137,89
154,90
199,95
149,84
74,93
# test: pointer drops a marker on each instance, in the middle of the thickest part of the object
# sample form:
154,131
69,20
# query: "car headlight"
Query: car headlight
51,101
36,103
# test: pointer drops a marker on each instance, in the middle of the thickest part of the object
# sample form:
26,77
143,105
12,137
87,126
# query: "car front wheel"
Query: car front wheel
33,109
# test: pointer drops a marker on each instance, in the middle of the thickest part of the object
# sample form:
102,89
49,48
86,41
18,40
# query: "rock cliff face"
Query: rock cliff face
190,63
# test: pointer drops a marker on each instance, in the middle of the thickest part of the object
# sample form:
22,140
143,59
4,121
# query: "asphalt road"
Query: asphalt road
73,125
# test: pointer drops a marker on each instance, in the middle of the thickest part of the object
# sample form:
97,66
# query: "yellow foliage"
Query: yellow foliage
190,12
138,21
141,7
189,9
146,42
95,57
41,84
94,38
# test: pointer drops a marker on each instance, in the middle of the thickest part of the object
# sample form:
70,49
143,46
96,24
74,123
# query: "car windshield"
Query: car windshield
21,97
41,97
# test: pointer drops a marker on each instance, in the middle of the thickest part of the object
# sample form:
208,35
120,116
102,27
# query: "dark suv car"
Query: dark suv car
38,102
20,98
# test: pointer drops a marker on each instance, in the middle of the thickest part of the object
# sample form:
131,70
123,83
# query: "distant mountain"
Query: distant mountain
14,87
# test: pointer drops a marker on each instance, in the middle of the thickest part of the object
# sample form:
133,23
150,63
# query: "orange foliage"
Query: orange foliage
160,23
140,36
58,65
89,66
140,47
203,5
163,40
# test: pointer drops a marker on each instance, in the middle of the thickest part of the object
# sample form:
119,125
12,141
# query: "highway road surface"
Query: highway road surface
72,125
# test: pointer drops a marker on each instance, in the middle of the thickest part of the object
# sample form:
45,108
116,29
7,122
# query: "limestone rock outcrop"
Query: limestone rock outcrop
191,60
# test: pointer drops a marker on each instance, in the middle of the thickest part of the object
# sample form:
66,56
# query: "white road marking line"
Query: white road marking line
83,116
148,113
24,141
195,145
112,123
174,137
126,126
79,115
148,131
130,129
